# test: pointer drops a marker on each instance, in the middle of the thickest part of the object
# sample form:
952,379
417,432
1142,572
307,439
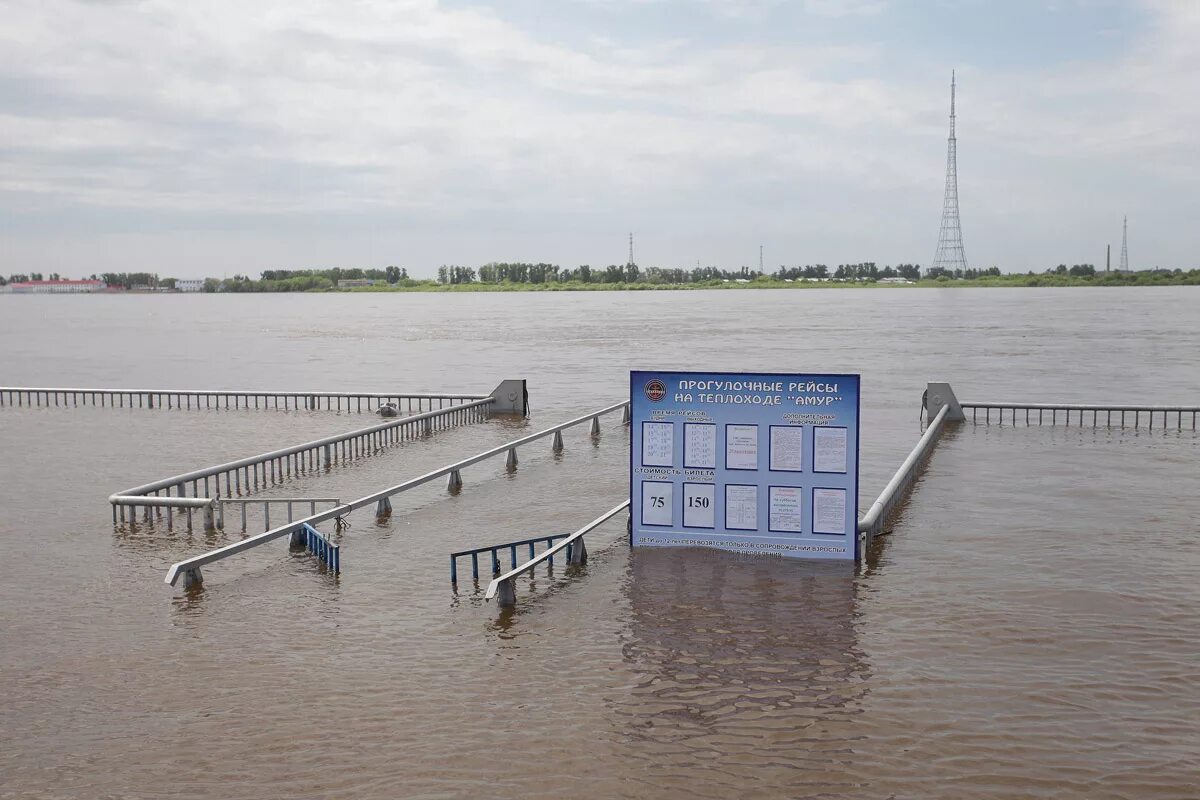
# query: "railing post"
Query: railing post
192,578
578,552
506,594
383,508
594,428
557,446
210,523
511,462
454,482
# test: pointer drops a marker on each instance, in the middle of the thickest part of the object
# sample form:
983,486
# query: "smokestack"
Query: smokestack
1107,257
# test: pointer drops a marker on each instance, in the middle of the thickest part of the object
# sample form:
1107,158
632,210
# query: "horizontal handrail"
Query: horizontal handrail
166,502
249,393
883,505
224,552
176,480
1083,407
494,586
256,500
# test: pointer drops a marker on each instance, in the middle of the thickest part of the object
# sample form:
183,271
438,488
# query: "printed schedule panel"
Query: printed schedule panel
755,463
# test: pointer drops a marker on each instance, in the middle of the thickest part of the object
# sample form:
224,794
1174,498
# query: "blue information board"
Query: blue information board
755,463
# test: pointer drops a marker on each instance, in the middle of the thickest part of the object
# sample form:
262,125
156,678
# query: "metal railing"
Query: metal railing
495,549
190,568
1134,414
505,585
19,396
156,504
872,523
254,472
267,502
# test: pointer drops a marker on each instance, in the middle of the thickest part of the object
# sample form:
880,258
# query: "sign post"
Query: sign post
749,462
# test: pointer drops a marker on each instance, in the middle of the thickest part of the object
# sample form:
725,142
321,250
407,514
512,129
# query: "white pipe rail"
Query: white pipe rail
881,509
191,567
504,584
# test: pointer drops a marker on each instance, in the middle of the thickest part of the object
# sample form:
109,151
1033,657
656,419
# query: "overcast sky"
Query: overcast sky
214,137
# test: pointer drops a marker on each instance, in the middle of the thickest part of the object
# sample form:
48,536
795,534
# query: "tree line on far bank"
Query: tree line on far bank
631,275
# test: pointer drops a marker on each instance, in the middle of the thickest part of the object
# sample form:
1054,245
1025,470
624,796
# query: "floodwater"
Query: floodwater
1030,629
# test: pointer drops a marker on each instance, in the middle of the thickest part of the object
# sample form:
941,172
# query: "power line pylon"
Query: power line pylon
950,255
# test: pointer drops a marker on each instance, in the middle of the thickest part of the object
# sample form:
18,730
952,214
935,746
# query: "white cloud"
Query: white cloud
411,108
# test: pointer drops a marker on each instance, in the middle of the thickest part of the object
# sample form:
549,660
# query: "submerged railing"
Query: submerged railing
266,502
190,568
505,586
19,396
496,549
254,472
1125,413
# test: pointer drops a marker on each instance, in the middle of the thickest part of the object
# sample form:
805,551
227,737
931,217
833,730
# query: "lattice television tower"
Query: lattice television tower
1124,245
630,249
950,253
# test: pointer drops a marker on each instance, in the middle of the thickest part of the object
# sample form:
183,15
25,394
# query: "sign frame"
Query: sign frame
836,405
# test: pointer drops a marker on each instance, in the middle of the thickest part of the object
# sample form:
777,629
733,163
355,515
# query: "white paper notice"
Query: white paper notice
699,445
785,508
741,508
741,447
829,449
656,502
829,510
699,505
658,444
787,448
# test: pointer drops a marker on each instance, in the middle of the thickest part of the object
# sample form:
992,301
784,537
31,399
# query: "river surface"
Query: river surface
1030,629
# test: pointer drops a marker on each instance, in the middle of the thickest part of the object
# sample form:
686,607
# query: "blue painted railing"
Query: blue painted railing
326,551
495,549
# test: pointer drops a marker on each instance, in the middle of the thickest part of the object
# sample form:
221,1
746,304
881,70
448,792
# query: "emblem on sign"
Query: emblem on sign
656,390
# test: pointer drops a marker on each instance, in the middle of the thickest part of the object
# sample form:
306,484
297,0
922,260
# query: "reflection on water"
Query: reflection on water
748,671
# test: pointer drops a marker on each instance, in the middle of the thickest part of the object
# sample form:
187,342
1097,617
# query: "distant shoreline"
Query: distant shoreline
1016,281
1191,278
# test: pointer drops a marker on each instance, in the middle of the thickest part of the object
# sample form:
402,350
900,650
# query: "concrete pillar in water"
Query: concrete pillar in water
298,537
594,428
557,446
938,395
192,578
510,397
511,462
454,481
506,594
578,552
625,415
383,508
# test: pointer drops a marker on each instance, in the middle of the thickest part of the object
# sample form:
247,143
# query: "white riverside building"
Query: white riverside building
189,284
54,287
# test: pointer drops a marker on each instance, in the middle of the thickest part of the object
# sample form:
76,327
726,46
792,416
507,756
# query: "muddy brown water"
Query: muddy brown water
1031,628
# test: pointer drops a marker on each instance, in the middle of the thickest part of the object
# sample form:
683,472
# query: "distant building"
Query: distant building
350,283
895,280
57,287
189,284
